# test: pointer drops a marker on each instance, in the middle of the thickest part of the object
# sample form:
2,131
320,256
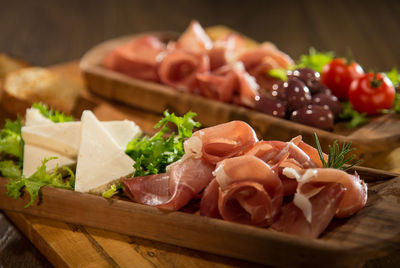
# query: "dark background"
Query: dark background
49,32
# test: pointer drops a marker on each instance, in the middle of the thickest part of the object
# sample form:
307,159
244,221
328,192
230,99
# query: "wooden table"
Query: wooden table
69,245
46,32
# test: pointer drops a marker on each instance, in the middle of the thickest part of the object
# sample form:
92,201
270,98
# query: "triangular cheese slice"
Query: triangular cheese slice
33,117
33,157
101,160
63,138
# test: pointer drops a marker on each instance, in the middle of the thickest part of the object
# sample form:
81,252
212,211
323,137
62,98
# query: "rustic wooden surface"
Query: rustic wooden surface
54,238
371,233
379,135
46,32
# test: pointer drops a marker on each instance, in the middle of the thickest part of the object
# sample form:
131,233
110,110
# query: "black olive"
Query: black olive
314,115
271,106
330,101
297,94
310,77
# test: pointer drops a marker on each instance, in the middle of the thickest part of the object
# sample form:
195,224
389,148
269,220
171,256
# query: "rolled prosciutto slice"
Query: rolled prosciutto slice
266,54
249,191
172,190
214,144
138,58
179,69
219,85
194,39
324,204
314,180
225,51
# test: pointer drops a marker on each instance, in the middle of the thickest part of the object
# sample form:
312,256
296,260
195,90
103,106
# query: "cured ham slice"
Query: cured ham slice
249,191
219,85
265,54
324,204
179,69
216,143
248,87
173,190
194,39
313,180
137,58
209,200
225,51
230,83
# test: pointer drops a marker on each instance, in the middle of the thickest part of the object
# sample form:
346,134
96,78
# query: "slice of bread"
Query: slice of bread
35,84
8,64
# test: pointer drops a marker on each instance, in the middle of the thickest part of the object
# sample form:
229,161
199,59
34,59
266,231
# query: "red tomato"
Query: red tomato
369,94
338,75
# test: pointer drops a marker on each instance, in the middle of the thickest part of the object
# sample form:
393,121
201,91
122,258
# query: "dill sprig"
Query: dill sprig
337,156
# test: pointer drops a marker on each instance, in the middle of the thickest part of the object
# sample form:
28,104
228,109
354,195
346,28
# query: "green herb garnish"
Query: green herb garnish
348,113
394,76
11,143
278,73
53,115
315,60
337,156
153,154
37,180
114,189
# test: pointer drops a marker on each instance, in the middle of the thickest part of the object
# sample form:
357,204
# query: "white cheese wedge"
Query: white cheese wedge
63,138
33,157
122,131
33,117
101,160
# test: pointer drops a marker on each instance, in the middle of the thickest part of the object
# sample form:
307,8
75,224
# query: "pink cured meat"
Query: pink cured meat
324,206
266,54
354,198
248,88
138,58
225,51
249,191
219,142
194,39
219,85
179,69
230,83
171,191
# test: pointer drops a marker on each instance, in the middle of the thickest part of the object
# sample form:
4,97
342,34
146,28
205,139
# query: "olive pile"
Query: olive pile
302,98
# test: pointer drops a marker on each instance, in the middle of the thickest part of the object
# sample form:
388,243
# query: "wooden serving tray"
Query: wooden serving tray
371,233
380,134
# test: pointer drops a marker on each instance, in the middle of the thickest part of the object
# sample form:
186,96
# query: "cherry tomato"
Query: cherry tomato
371,93
338,75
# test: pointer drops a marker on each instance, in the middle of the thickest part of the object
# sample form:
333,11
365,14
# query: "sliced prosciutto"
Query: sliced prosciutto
173,190
249,191
324,204
313,180
194,39
179,69
265,54
217,143
230,83
219,85
138,58
225,51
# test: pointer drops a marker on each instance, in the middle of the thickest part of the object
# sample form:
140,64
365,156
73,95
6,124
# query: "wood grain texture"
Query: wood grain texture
373,232
381,134
165,255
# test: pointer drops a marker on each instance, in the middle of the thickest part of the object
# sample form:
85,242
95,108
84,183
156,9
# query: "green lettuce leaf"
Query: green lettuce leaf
153,154
39,179
11,143
315,60
53,115
356,119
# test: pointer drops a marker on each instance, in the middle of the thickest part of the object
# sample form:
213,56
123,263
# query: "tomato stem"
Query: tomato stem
375,83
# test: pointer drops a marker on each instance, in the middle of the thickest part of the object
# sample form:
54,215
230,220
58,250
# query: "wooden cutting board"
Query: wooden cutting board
70,245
